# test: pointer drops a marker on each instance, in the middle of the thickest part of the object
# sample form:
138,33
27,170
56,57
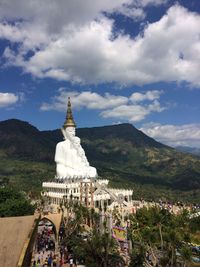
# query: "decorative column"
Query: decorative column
109,223
86,194
91,194
81,192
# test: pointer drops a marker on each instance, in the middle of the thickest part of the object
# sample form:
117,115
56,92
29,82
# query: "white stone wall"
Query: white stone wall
56,192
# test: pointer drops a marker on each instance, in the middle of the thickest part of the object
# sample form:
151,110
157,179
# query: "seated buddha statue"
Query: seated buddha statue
70,158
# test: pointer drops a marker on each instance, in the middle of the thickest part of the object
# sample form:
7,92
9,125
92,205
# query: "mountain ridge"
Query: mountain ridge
121,153
187,149
18,132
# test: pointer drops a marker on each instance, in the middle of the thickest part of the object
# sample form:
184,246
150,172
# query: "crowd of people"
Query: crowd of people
45,252
50,259
45,247
45,240
45,260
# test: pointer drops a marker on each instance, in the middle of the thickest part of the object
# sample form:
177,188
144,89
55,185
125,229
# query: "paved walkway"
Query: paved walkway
41,253
43,256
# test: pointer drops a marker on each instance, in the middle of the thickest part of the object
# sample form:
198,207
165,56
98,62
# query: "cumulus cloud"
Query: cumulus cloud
174,135
85,99
132,113
111,106
135,9
8,99
56,14
136,13
149,95
80,47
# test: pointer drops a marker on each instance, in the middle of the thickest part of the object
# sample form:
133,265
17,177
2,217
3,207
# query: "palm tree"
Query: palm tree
100,250
172,239
162,234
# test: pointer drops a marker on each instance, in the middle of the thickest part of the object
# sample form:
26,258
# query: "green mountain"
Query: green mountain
125,155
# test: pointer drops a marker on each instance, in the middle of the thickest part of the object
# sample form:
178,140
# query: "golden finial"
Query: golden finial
69,121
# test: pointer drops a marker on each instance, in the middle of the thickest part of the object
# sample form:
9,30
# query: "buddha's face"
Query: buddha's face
71,131
77,140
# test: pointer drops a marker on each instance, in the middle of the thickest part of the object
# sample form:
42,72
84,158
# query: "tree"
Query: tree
138,257
95,248
102,250
161,234
186,255
14,203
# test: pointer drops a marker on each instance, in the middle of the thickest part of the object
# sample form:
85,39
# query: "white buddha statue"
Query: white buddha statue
70,158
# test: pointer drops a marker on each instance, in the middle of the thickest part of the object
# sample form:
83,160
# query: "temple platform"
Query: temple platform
93,193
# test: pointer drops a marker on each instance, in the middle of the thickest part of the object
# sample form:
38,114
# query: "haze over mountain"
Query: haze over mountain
187,149
125,155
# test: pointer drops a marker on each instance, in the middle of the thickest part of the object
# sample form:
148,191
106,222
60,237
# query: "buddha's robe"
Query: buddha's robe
71,160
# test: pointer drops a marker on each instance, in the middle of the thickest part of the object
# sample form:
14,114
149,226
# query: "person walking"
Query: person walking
49,261
38,264
54,262
71,262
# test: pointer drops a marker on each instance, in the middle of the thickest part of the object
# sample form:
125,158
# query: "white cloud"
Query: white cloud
136,13
58,12
132,113
135,9
112,106
55,14
174,135
85,99
8,99
75,46
155,106
149,95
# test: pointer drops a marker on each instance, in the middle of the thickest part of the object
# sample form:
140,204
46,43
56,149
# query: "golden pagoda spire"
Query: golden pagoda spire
69,121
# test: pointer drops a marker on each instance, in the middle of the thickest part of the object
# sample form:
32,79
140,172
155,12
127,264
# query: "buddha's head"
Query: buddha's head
71,131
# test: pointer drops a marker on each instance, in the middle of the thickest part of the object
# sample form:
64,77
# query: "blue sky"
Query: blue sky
120,61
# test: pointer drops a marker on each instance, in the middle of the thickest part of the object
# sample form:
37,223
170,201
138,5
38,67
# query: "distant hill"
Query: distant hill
187,149
21,139
125,155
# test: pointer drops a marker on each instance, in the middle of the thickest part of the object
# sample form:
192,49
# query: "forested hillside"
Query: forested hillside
125,155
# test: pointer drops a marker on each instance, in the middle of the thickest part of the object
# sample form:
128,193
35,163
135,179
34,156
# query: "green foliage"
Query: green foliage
24,175
137,257
158,234
186,254
14,203
100,249
97,248
195,224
